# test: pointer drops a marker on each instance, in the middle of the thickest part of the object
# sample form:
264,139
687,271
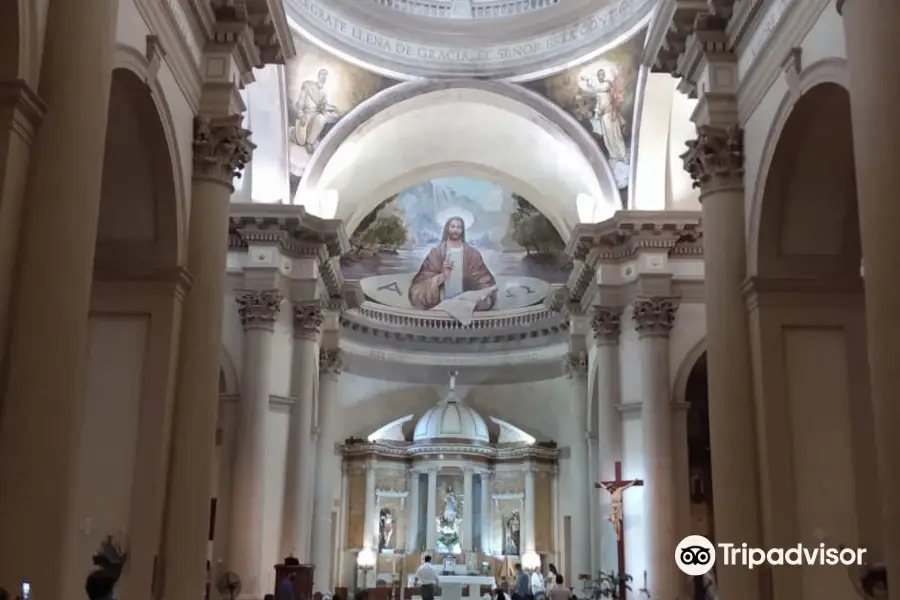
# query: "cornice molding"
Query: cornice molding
355,449
23,106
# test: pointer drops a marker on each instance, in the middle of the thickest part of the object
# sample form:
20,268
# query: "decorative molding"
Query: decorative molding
308,320
420,451
28,109
155,55
259,308
654,316
330,361
408,47
576,364
793,66
716,158
222,148
391,494
606,323
629,408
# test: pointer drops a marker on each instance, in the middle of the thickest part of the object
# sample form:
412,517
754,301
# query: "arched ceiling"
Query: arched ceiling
460,131
509,39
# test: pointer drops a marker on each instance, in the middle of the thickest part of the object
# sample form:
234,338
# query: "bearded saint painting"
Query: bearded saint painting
451,268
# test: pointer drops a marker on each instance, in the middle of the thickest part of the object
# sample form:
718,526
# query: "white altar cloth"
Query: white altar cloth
451,585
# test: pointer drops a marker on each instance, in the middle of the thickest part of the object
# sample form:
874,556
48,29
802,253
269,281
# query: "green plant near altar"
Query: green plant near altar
448,539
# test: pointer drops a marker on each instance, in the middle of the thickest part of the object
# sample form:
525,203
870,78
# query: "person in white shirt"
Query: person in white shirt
427,578
537,583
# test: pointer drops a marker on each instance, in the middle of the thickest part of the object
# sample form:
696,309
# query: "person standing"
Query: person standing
522,590
427,578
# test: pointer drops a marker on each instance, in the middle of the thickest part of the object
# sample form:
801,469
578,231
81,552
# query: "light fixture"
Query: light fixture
365,562
531,560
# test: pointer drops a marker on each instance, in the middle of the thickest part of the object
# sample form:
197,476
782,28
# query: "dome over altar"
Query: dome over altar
451,420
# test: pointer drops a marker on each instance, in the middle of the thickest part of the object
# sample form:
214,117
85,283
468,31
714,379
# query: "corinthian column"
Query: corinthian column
258,312
46,367
606,324
296,528
528,521
575,429
872,33
326,469
715,162
486,523
412,532
431,512
468,544
221,149
653,319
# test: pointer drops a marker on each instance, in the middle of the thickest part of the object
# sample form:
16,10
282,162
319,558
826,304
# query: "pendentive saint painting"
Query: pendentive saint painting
458,245
601,96
321,90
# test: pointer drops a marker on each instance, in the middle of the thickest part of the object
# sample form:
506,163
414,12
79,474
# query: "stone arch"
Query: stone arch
403,99
683,374
163,137
142,197
831,73
228,377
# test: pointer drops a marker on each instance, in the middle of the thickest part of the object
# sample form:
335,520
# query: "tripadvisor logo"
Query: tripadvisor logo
695,555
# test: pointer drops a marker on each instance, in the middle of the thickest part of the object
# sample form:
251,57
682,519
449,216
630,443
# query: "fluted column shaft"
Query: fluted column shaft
258,311
296,528
412,532
715,161
468,544
606,324
528,524
326,469
576,432
431,512
371,516
654,318
41,408
486,522
872,33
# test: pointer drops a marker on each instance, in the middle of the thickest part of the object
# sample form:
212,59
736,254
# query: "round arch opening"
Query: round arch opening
486,130
139,208
808,221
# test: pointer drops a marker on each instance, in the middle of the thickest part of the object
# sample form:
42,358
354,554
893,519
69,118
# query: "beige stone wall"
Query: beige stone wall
543,512
356,508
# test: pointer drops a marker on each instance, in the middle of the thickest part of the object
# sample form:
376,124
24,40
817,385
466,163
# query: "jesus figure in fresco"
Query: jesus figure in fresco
450,269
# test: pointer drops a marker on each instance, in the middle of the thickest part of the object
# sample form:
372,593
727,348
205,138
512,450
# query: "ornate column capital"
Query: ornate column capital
222,148
259,308
330,361
654,316
576,364
716,158
607,324
308,320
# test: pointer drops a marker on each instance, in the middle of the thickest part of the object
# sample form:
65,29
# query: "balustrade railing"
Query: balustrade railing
467,9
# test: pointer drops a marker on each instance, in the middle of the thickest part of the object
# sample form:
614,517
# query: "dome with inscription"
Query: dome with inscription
510,39
451,420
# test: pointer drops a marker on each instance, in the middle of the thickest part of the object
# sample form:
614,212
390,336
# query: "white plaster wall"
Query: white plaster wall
825,40
682,194
267,110
650,191
108,438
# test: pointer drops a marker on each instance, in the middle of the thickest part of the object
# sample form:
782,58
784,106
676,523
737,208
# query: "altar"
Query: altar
452,585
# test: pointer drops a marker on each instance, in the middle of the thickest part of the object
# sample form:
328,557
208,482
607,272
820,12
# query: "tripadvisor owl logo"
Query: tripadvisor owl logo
695,555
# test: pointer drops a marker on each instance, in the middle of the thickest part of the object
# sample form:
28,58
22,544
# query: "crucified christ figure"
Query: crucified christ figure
615,490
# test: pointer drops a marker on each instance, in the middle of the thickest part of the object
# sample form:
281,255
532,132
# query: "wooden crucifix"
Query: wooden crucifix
617,516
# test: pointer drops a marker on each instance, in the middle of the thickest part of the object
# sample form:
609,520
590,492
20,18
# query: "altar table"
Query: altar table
451,585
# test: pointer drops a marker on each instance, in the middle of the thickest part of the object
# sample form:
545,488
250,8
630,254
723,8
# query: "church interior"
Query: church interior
339,284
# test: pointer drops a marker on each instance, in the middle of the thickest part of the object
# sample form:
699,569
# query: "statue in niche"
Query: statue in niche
512,526
385,529
448,524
